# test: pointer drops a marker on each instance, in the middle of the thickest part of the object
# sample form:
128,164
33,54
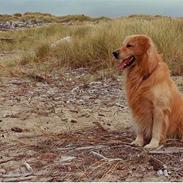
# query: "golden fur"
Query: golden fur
155,102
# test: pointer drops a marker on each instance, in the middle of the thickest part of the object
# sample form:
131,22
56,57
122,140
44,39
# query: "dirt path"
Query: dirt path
42,119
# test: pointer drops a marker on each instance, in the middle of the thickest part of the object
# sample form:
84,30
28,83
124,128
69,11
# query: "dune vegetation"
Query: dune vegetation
49,18
92,43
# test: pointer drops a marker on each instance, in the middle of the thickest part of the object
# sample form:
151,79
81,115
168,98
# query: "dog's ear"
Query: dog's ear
143,44
150,59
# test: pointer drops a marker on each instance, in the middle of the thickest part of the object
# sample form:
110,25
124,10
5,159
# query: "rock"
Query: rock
66,158
16,129
160,173
74,110
11,25
87,115
11,114
163,173
64,119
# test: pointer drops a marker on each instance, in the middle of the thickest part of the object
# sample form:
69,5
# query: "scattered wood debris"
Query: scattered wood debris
90,155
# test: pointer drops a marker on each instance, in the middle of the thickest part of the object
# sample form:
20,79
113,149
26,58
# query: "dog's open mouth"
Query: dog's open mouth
126,63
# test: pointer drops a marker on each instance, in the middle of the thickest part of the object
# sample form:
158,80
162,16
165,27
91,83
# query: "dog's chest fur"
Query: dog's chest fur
137,91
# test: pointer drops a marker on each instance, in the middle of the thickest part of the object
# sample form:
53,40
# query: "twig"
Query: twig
90,147
28,167
99,155
65,148
105,158
81,148
16,175
6,160
170,150
18,179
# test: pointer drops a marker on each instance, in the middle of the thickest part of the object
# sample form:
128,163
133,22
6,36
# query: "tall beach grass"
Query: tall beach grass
92,44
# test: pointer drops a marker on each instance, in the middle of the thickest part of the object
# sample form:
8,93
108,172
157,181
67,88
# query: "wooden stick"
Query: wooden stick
171,150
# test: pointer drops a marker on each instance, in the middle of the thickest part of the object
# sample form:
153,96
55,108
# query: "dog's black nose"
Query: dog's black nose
116,54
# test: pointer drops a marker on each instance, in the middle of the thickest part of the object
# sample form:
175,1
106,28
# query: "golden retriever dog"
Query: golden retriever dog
155,102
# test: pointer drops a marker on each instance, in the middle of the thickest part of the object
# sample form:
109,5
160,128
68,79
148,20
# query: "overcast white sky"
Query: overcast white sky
110,8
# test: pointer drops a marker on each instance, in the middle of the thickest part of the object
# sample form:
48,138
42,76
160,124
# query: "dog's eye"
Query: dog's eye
129,45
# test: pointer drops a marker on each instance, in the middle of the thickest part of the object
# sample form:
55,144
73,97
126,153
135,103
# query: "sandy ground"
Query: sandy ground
70,102
43,118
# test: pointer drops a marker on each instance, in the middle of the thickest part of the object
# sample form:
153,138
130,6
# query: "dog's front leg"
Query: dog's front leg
158,120
139,141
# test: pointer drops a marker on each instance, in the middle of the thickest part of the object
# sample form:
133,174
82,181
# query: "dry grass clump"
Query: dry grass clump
32,39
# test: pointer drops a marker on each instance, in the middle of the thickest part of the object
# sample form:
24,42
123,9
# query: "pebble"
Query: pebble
73,121
2,171
166,173
160,173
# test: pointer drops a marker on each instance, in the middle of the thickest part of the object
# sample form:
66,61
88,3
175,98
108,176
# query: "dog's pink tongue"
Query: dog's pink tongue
120,66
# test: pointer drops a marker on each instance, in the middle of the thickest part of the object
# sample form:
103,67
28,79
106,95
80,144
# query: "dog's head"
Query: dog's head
133,49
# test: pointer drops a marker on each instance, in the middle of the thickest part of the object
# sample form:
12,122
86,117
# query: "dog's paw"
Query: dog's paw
152,146
137,143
